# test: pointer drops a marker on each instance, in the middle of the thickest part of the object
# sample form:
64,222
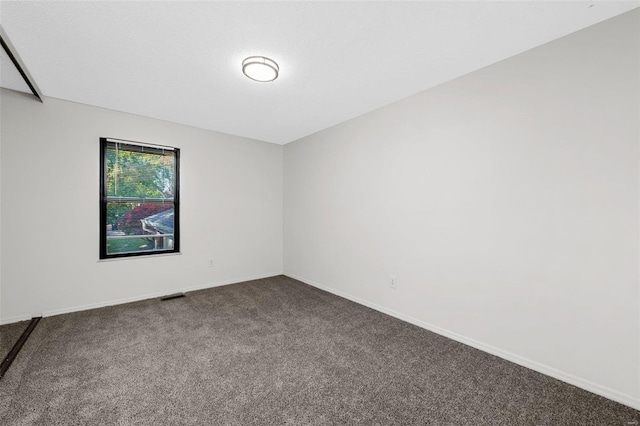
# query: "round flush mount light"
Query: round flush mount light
259,68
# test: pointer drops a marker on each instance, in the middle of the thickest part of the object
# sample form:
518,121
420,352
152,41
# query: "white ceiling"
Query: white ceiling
9,75
181,61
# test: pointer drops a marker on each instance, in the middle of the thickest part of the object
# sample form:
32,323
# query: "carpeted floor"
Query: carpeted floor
273,352
9,335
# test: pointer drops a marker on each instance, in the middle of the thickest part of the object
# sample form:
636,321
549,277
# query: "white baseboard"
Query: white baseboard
15,319
140,297
533,365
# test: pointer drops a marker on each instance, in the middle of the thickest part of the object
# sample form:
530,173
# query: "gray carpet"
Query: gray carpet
9,335
273,352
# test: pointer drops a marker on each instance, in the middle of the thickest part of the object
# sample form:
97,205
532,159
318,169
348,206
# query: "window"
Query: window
139,199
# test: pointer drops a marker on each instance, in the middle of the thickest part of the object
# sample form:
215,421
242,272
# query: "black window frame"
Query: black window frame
141,147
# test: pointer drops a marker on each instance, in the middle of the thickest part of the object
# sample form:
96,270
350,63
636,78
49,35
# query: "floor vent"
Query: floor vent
172,296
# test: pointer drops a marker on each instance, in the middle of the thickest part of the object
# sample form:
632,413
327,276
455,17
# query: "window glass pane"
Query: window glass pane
149,221
140,174
138,245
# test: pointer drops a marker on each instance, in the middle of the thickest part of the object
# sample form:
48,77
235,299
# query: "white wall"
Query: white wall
505,202
231,209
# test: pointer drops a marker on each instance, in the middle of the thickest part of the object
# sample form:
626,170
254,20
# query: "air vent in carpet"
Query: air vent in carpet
172,296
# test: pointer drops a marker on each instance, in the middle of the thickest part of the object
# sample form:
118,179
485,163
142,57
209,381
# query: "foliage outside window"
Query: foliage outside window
139,199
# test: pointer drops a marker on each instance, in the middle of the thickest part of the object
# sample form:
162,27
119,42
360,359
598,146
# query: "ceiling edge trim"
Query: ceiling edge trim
17,62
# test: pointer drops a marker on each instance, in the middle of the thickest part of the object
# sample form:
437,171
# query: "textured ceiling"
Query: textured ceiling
181,61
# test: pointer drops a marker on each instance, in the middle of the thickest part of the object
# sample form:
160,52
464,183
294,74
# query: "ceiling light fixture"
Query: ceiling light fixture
259,68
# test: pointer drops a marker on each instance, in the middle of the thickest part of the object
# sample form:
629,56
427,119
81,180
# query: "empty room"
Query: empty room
320,213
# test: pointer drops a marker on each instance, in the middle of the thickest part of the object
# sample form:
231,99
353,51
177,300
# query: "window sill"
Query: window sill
117,259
